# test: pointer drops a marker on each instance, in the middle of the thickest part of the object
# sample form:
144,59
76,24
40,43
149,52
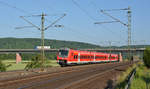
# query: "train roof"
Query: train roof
84,52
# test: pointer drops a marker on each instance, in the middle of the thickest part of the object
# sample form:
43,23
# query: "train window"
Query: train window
112,57
104,57
92,57
99,57
82,57
96,57
86,57
63,53
75,56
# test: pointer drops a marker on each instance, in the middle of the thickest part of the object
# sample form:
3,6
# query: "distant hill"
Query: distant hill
31,43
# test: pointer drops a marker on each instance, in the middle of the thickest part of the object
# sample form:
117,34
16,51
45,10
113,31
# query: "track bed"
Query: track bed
95,76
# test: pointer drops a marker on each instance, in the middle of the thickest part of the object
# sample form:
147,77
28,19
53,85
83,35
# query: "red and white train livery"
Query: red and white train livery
70,56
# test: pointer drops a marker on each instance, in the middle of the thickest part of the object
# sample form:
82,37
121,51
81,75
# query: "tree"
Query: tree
146,57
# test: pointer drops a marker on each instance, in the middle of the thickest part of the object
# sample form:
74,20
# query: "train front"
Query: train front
62,57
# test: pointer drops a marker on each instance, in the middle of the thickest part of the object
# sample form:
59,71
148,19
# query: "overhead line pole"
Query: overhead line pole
42,38
128,25
42,29
129,32
110,46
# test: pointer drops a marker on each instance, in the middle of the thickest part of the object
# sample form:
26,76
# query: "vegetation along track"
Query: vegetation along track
75,78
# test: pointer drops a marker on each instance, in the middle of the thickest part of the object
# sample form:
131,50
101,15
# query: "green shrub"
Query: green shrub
141,79
2,67
138,83
36,62
146,57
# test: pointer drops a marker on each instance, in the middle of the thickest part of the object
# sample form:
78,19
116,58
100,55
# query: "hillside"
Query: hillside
31,43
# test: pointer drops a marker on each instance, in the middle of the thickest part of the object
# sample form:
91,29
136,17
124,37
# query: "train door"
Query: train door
109,58
75,57
79,57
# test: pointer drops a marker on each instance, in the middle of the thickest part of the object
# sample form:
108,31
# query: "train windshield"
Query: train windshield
63,53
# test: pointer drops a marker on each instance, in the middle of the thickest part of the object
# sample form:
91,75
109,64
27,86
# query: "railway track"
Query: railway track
34,73
74,77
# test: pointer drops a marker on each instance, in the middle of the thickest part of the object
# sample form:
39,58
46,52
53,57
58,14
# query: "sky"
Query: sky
78,24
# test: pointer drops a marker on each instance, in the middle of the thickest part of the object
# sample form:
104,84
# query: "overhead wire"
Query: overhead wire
75,3
92,17
22,10
84,36
14,7
115,10
105,26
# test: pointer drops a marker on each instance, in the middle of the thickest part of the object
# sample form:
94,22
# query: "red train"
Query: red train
70,56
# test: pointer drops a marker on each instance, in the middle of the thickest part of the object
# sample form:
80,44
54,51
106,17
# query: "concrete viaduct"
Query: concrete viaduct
136,51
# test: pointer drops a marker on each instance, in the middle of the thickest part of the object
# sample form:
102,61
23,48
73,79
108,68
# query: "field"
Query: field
21,66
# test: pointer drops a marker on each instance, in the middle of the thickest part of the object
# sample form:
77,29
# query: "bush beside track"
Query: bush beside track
146,58
141,79
122,79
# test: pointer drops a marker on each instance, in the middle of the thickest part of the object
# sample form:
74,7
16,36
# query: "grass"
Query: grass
51,63
121,82
141,79
21,66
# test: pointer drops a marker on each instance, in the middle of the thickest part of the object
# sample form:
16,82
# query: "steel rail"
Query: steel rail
105,70
46,75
